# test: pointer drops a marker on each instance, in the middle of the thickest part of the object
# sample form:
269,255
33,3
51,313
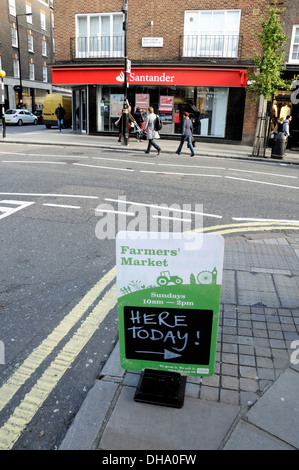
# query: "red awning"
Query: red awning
150,76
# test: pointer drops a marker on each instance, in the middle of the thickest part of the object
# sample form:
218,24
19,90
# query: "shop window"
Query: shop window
99,35
207,107
294,51
211,33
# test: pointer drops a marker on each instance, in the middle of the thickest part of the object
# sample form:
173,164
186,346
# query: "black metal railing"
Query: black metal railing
214,45
89,47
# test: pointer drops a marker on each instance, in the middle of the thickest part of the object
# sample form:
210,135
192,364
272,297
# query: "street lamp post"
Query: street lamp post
20,91
125,111
2,101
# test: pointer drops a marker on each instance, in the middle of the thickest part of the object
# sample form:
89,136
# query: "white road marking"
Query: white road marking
115,212
58,156
122,160
180,174
266,220
263,173
262,182
162,208
13,153
7,211
103,167
33,161
170,218
65,206
193,166
43,155
50,195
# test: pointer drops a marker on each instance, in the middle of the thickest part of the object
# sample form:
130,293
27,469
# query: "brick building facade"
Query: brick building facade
204,46
26,50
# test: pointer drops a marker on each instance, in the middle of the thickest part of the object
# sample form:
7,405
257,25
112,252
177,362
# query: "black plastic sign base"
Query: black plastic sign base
161,388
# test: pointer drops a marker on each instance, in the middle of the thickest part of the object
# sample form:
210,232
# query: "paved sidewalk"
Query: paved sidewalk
68,138
251,402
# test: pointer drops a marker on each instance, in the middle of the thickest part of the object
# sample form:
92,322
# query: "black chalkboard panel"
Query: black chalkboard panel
181,336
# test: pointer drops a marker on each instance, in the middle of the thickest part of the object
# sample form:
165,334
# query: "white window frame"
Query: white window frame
225,44
16,68
12,7
31,71
43,24
44,48
99,45
30,43
291,60
45,73
28,10
14,37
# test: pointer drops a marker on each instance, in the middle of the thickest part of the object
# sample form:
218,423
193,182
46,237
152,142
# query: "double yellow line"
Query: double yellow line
25,411
250,227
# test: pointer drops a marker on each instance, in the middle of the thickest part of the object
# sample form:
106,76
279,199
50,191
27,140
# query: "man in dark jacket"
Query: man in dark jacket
60,113
187,131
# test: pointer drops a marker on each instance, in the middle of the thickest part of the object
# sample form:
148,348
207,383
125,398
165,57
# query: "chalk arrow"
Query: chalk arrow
167,354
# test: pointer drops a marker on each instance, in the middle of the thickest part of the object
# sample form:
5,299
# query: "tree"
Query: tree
266,79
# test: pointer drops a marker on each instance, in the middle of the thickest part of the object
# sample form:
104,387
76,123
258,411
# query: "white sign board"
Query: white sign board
152,42
168,300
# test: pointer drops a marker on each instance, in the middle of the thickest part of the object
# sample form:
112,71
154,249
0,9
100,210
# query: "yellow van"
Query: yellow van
51,102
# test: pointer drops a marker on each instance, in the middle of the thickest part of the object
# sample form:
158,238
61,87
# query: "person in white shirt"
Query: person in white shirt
286,128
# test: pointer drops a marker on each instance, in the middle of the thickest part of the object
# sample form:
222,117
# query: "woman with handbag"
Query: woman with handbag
187,131
149,128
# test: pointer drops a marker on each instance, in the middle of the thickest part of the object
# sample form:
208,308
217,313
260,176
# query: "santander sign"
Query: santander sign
181,76
146,78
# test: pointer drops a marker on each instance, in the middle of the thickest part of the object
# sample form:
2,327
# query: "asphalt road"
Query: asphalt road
57,300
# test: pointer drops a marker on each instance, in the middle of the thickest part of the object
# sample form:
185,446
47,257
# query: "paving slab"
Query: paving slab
198,425
85,428
248,437
277,411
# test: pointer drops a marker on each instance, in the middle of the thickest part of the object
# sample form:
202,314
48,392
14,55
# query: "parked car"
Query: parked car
19,117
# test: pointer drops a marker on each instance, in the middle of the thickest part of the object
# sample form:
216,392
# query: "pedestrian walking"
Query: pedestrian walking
152,134
187,130
60,113
286,128
139,118
131,122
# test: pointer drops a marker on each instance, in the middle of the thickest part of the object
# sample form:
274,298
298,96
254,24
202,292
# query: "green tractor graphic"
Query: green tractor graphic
165,278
